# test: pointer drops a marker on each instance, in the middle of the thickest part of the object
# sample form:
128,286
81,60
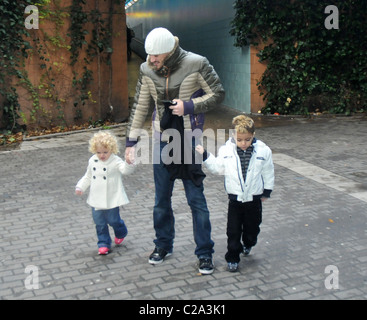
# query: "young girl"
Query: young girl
249,179
107,193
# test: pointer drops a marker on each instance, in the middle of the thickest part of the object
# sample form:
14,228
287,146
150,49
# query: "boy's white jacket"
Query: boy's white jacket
105,181
260,172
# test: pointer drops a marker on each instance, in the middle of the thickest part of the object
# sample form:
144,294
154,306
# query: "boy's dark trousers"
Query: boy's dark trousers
244,218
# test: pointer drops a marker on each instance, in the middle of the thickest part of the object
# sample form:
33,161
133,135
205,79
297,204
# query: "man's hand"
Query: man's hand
178,108
130,155
199,149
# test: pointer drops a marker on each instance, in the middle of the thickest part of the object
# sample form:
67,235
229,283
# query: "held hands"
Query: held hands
130,155
200,149
178,108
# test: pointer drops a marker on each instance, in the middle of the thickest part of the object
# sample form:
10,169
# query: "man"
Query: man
171,73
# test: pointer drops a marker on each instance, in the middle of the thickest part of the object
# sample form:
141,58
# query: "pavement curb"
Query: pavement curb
58,134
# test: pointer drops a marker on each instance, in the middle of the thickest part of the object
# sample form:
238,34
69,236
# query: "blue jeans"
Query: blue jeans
103,218
163,218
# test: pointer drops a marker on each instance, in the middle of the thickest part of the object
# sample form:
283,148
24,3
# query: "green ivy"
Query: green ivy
77,33
100,43
13,47
309,67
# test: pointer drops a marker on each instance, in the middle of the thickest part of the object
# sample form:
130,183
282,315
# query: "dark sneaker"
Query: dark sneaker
246,251
158,255
206,266
232,266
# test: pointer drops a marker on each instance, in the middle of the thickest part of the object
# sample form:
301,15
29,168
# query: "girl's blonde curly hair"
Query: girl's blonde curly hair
243,124
105,139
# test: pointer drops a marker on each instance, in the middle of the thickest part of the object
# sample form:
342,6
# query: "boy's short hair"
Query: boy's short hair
243,124
105,139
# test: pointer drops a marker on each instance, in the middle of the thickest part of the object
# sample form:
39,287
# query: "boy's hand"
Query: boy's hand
78,192
199,149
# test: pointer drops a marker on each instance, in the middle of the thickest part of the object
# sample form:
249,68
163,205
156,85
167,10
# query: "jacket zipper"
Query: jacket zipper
167,79
238,169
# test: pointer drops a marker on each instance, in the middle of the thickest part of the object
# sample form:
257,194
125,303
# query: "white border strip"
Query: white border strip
320,175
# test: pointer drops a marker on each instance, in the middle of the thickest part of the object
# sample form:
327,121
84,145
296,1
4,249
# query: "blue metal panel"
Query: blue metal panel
202,27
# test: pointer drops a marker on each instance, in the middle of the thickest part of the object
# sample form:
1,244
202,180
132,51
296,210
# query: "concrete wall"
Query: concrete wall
202,27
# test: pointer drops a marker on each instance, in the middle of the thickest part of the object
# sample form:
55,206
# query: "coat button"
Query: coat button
94,168
104,169
104,178
94,177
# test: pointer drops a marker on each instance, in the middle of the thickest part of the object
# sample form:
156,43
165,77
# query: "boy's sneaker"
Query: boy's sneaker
246,251
158,255
103,250
206,266
232,266
118,241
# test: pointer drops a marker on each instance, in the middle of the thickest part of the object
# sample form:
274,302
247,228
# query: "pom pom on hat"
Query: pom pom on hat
159,41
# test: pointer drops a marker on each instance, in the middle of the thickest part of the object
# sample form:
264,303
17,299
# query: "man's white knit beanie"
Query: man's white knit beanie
159,41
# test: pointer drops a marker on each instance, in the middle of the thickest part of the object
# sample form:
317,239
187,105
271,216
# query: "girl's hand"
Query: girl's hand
78,192
199,149
130,155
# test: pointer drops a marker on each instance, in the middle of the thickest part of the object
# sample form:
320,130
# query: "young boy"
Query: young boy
107,194
248,168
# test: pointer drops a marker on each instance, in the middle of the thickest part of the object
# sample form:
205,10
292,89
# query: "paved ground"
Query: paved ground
310,223
312,244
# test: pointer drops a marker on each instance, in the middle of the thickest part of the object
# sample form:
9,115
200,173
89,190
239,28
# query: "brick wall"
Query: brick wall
108,87
257,70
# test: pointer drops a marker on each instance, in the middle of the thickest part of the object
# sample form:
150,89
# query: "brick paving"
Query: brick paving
307,225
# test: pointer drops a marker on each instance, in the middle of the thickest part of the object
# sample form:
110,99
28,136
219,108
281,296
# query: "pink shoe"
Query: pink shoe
103,250
119,241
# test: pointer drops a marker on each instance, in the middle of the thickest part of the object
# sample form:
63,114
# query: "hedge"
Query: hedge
315,54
